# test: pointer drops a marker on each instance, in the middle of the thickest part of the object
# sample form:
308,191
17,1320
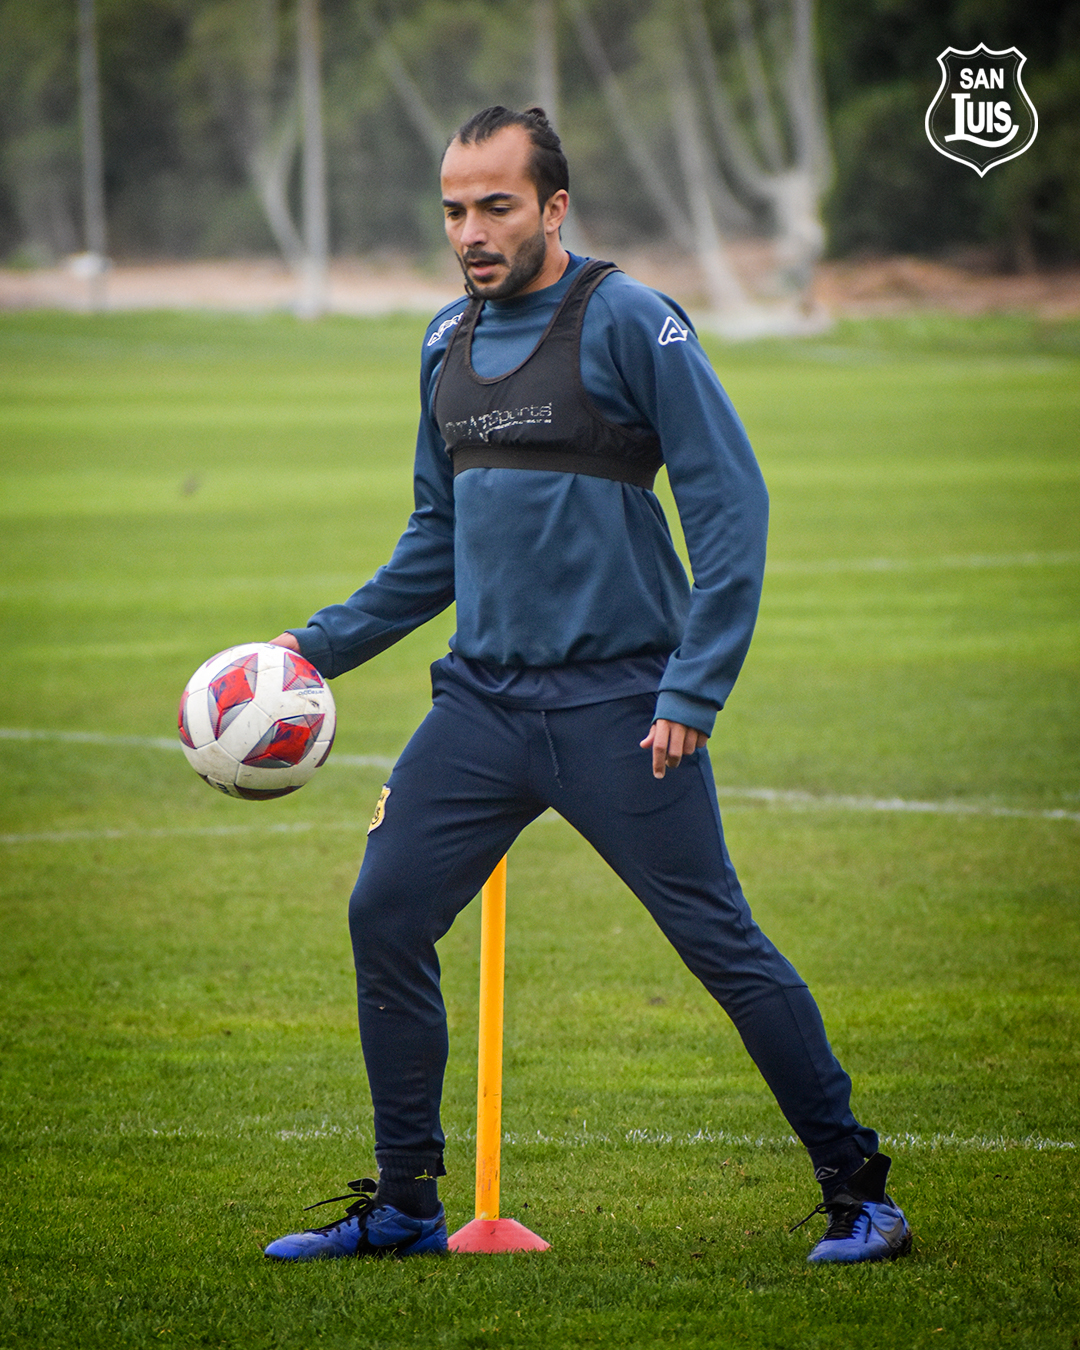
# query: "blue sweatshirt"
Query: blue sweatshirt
568,587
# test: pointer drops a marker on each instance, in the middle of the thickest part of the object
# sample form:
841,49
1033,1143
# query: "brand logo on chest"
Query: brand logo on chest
481,427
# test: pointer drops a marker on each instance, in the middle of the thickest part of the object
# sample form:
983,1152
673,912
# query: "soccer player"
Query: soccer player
585,674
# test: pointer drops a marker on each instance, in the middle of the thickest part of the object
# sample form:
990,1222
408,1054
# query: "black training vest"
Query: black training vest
538,415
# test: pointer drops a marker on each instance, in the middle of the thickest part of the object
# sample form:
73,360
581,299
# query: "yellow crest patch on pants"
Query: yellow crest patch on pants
380,810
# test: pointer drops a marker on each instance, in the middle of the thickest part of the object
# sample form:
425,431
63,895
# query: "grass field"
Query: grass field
900,780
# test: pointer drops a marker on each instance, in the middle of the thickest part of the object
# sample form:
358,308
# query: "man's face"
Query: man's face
505,243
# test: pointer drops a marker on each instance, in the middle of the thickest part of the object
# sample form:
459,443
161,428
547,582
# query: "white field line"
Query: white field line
89,738
163,743
810,801
584,1138
780,797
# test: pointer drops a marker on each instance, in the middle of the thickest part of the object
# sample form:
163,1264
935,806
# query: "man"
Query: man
585,674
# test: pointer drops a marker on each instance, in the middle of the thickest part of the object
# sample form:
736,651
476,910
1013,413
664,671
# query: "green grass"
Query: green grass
181,1070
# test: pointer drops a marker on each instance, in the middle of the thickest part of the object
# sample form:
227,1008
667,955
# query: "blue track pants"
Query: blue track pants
470,779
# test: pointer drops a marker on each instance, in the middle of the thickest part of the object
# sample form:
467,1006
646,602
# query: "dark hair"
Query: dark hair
547,164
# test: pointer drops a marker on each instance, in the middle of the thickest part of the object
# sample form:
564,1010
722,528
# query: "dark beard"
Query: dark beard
526,267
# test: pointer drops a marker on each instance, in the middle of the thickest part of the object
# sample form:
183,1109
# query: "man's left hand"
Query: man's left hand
669,742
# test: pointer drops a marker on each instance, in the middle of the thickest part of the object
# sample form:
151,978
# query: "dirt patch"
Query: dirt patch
864,288
253,286
896,285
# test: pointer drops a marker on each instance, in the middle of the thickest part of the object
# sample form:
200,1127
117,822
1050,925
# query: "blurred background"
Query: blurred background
730,145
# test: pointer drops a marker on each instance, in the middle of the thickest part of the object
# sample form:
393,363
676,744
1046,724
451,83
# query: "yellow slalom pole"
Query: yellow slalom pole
489,1069
487,1232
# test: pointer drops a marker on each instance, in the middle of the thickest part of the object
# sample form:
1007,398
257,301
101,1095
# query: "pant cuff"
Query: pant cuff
402,1164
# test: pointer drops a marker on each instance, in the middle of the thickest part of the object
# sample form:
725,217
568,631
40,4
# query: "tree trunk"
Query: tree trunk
546,83
313,296
796,192
545,59
800,237
416,108
92,157
765,125
786,176
269,168
652,180
722,286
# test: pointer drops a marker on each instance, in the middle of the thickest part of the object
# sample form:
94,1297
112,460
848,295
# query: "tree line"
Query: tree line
687,122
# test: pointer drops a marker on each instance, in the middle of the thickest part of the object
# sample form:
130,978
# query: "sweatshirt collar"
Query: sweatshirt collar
522,304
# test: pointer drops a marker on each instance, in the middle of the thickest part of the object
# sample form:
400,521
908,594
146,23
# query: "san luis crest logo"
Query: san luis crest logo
981,115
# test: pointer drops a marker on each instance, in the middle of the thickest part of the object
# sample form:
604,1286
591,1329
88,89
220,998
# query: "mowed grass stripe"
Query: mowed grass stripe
75,591
1064,558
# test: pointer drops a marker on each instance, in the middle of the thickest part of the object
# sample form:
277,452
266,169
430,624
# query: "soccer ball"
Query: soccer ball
256,721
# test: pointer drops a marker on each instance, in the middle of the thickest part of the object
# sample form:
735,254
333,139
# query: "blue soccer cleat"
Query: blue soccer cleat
367,1229
865,1224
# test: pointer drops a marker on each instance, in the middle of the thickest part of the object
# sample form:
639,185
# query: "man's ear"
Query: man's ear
555,209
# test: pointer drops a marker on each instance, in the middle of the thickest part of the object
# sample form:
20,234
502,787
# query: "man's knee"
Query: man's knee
379,907
397,911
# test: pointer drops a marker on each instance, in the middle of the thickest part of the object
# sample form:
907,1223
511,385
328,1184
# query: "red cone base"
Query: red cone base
496,1235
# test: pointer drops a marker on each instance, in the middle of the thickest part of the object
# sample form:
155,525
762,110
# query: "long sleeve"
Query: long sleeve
418,581
717,485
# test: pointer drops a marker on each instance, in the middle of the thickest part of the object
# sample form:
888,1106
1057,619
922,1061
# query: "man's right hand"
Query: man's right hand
670,743
286,640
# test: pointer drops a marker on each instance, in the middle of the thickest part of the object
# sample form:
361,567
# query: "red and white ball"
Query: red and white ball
256,721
